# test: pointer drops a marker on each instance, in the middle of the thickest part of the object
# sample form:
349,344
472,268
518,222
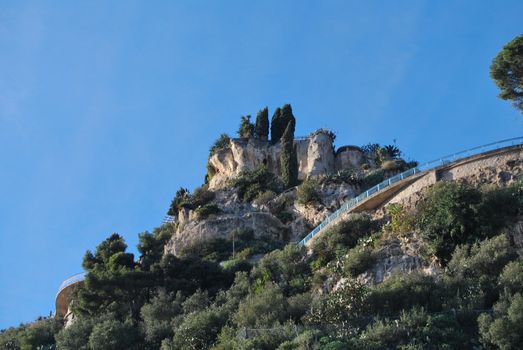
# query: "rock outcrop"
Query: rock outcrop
315,153
398,256
195,231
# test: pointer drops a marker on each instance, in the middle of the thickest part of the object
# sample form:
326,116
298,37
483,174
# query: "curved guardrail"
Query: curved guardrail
421,168
71,280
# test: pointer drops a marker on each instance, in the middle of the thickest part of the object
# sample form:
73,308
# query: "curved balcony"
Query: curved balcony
65,291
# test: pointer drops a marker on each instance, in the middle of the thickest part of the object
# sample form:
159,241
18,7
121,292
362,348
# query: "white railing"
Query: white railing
71,280
424,167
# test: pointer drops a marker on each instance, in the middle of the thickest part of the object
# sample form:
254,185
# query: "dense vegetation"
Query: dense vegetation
280,302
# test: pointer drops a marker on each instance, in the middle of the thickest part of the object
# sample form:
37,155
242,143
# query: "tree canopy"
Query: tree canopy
507,72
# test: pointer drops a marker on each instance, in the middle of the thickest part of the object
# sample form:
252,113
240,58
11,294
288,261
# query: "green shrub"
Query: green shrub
453,214
373,151
287,268
263,309
400,220
371,179
9,338
503,329
415,329
246,129
250,184
184,199
339,238
348,176
76,336
182,196
474,270
309,339
401,292
114,335
511,279
214,249
339,309
285,216
500,207
358,260
299,304
151,245
198,330
265,197
223,142
307,192
448,216
40,334
200,197
207,210
158,315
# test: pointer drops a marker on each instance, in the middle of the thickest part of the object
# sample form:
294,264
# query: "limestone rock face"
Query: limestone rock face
262,224
242,155
318,156
315,157
396,256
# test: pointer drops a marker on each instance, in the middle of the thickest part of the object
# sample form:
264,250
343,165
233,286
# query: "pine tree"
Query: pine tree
507,72
262,124
288,158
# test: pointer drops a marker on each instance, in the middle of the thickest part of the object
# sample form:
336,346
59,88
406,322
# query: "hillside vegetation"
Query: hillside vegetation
461,289
294,300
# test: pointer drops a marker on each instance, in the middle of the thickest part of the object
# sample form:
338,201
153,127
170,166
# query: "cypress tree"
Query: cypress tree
286,116
288,158
280,120
276,126
262,124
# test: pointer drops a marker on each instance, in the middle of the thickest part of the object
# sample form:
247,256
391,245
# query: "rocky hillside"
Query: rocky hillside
437,265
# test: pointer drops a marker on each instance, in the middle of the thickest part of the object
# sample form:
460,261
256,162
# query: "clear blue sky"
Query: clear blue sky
107,107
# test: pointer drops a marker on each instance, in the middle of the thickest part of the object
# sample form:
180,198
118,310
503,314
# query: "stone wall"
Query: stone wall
497,168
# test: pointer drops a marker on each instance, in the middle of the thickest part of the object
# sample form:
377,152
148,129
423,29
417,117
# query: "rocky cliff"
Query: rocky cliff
338,175
316,156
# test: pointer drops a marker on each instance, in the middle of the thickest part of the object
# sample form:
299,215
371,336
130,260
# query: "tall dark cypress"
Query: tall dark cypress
286,116
280,120
262,124
288,158
276,126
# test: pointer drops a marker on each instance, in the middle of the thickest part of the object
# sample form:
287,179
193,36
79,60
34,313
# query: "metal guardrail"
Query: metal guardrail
245,139
168,219
71,280
446,160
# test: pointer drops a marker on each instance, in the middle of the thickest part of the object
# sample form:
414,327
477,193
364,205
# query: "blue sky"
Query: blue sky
107,107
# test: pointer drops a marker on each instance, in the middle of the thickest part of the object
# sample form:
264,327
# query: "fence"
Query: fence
421,168
71,280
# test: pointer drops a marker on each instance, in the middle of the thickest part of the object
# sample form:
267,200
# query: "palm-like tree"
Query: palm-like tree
390,152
